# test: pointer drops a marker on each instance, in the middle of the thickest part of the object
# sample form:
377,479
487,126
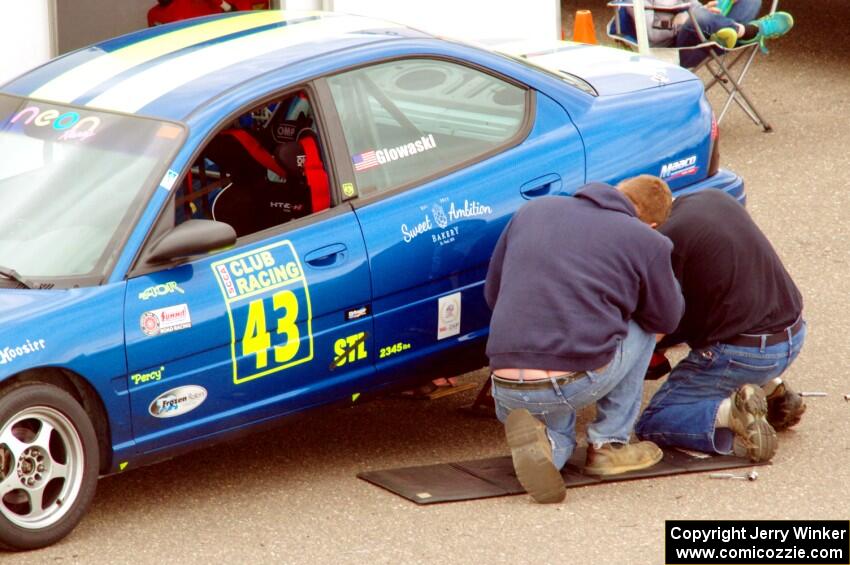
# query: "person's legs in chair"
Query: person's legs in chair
723,30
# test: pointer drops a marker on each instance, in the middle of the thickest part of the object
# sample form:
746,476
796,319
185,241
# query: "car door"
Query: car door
442,154
278,323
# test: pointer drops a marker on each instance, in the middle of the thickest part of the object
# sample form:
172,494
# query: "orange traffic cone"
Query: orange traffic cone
583,30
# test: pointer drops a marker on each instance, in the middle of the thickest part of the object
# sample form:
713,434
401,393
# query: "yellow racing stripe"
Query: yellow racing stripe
146,86
74,83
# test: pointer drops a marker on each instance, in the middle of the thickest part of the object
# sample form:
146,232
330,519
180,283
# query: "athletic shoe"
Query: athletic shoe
725,37
784,407
616,458
725,6
747,419
532,456
770,27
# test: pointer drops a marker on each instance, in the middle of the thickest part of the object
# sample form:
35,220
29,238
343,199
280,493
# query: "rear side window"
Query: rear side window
413,119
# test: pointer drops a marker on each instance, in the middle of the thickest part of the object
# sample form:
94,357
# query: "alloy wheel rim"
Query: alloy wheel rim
41,467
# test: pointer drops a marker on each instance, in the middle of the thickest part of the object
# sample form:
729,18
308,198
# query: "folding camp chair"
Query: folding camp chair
621,29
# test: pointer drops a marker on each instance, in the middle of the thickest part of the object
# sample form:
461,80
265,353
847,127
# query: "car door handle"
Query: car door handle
541,186
327,256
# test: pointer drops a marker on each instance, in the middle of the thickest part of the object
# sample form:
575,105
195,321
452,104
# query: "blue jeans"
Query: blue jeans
683,411
616,390
742,12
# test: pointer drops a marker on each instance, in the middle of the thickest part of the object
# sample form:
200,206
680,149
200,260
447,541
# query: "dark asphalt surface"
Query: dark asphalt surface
291,495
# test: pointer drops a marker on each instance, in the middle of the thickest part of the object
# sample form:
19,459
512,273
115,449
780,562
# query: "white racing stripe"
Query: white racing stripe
75,82
143,88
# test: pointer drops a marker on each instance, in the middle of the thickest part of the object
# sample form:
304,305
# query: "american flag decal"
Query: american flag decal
363,161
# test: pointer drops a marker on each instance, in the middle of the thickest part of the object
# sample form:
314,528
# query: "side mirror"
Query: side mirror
193,237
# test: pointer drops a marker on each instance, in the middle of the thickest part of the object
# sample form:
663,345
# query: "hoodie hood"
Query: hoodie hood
607,197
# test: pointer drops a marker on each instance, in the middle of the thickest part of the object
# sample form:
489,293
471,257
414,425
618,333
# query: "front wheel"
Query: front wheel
48,465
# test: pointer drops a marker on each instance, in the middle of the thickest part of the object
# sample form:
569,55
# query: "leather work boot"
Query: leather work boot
616,458
532,456
748,419
785,407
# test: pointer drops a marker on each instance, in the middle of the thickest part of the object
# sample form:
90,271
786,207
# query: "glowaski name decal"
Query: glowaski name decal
375,157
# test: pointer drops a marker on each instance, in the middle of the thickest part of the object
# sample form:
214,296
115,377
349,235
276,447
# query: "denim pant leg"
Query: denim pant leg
745,11
547,405
709,23
616,391
683,411
621,388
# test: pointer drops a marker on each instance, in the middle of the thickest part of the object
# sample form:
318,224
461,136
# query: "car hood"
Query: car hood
18,305
609,71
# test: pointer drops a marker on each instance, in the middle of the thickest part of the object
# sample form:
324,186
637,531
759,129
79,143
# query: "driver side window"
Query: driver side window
263,169
411,119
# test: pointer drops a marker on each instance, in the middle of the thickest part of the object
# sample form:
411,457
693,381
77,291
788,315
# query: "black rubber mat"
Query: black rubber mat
486,478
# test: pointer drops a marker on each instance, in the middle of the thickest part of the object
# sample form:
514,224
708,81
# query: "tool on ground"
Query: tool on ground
751,476
812,394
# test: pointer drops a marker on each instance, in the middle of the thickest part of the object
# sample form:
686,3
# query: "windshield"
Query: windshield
71,183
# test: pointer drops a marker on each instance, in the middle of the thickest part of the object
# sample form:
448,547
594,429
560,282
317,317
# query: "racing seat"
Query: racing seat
289,132
275,175
621,28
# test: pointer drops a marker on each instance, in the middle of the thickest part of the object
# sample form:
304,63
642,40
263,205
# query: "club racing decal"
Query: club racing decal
160,290
444,213
376,157
681,168
150,376
268,303
9,354
177,401
166,320
72,126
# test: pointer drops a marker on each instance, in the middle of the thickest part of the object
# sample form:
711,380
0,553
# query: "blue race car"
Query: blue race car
209,225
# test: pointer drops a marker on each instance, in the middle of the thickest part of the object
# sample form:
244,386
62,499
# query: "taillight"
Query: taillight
714,160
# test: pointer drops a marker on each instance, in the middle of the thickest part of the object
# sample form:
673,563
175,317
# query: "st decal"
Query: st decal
349,349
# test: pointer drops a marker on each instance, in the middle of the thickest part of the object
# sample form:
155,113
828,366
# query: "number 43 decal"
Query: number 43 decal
256,342
257,339
265,292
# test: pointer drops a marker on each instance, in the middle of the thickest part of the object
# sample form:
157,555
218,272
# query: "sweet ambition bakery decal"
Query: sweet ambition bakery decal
439,220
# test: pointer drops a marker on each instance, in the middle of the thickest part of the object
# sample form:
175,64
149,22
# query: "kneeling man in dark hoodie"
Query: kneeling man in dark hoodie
579,286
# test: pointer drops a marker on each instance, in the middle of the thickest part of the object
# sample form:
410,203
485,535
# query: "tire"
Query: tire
48,449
